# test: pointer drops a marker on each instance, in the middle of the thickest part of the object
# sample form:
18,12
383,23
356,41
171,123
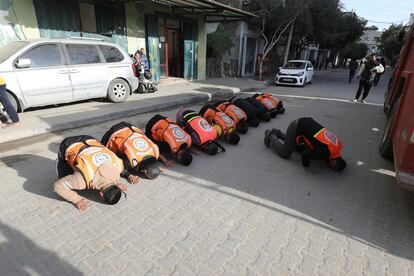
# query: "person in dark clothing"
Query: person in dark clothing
308,137
8,107
366,77
378,75
353,66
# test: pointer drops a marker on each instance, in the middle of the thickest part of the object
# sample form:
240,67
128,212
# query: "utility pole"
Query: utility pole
292,26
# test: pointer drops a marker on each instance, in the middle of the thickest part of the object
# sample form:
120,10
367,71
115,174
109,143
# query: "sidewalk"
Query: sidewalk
45,120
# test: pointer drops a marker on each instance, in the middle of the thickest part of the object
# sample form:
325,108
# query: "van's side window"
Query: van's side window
82,54
45,55
111,54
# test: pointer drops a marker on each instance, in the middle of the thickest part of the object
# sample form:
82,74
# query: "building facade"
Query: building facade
172,32
370,37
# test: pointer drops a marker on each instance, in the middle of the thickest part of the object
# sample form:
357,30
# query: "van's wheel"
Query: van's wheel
385,146
118,91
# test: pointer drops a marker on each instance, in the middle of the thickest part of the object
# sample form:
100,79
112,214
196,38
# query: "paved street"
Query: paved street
243,212
334,84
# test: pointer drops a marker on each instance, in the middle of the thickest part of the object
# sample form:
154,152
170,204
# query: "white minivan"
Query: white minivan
54,71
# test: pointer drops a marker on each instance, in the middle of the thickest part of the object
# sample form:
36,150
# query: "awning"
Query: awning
213,11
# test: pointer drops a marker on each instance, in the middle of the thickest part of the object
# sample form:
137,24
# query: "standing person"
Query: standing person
312,140
366,77
144,59
4,100
378,75
353,66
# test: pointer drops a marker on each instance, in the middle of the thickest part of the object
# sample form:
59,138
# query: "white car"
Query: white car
295,72
54,71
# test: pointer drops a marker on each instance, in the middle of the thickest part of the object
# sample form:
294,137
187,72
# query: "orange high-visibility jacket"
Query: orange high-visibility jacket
166,130
134,144
86,157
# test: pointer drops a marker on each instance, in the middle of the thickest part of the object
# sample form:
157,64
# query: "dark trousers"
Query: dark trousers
351,74
365,86
285,145
4,100
377,78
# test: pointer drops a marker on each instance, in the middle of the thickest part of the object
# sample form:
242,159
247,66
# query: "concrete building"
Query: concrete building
370,38
173,32
247,45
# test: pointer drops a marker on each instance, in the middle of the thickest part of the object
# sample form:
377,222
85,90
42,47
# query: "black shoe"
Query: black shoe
267,138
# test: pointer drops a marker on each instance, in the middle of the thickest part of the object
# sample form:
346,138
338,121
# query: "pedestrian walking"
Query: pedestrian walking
353,66
8,107
366,76
378,75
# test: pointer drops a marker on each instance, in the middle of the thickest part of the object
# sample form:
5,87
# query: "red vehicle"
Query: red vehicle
398,138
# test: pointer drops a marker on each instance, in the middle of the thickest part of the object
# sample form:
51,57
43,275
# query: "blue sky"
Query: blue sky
381,10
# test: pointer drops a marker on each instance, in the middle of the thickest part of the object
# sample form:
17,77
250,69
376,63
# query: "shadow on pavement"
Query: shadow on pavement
21,256
39,172
361,203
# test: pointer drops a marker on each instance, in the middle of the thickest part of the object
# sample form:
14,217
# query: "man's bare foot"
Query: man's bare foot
12,125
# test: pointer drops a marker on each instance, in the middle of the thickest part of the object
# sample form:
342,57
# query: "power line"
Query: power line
379,22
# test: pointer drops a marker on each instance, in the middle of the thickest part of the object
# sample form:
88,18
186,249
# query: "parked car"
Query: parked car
54,71
295,72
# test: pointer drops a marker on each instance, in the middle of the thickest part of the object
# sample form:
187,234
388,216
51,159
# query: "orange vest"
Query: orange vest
87,157
134,144
325,137
234,112
219,118
168,131
268,101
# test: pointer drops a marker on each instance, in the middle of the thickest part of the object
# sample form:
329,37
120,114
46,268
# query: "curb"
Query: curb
195,98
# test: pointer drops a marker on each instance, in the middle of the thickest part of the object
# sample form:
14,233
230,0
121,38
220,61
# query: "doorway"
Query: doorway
171,48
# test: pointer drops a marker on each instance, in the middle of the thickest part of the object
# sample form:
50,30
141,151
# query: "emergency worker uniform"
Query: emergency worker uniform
224,125
201,131
167,134
131,145
84,163
308,137
235,113
271,103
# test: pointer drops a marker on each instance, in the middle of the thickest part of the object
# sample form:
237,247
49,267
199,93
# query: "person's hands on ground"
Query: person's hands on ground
166,162
133,179
83,204
123,187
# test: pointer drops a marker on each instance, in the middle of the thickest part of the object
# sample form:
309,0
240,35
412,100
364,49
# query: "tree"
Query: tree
355,50
275,17
218,44
392,40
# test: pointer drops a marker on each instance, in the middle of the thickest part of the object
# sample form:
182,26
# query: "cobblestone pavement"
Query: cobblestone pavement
244,212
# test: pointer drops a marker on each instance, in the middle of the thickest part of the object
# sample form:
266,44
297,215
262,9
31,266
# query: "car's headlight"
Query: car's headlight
281,74
300,74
